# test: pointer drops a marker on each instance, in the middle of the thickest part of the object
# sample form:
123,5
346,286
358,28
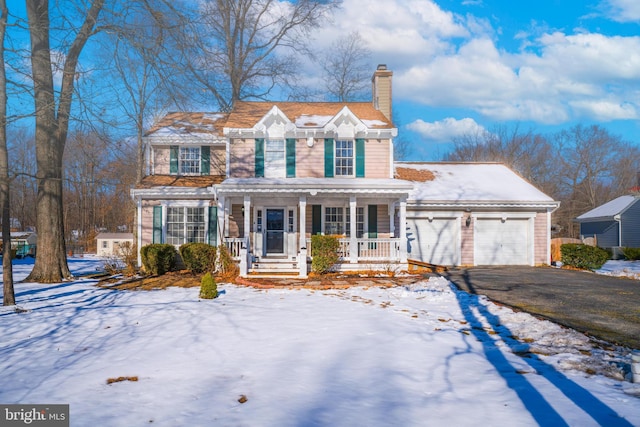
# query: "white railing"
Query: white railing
234,244
383,249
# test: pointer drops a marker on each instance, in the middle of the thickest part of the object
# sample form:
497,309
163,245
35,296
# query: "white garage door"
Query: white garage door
435,241
500,242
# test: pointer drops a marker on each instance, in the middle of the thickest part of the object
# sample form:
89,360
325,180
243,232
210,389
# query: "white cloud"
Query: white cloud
445,130
622,10
442,59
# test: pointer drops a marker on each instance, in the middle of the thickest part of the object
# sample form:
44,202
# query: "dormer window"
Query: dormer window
186,160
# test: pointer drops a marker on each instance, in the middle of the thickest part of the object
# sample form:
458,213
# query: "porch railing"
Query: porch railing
234,244
383,249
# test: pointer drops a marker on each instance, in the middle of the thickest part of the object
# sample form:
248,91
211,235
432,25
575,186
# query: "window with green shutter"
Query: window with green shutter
157,224
205,160
316,219
173,159
291,158
259,158
359,158
328,157
213,225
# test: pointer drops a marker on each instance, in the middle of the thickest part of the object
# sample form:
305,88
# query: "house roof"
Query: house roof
609,209
472,183
189,123
246,114
111,236
200,181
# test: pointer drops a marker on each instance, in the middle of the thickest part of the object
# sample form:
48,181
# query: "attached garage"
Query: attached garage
502,241
434,240
466,214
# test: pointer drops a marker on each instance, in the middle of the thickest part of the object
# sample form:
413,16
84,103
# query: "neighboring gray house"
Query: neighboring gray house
614,224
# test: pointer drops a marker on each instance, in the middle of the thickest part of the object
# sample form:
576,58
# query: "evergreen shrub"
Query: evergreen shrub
198,257
632,254
158,258
583,256
324,253
208,287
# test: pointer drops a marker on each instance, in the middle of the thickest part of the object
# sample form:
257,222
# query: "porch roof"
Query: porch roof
314,186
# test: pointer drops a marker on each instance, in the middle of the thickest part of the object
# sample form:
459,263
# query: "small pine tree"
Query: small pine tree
208,287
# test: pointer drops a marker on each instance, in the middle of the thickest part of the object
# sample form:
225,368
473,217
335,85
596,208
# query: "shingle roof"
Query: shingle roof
203,181
305,114
181,123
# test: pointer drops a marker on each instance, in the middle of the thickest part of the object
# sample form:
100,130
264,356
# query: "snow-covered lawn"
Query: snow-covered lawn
419,355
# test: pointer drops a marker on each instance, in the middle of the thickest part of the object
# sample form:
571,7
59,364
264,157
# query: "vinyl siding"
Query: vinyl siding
242,161
541,250
605,232
161,160
377,161
631,226
310,160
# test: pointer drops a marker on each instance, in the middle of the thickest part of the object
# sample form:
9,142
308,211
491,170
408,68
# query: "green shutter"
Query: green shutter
316,219
328,157
259,160
359,158
213,225
291,158
173,159
373,221
205,160
157,224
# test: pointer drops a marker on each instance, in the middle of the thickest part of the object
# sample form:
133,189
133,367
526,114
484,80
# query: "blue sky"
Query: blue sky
467,66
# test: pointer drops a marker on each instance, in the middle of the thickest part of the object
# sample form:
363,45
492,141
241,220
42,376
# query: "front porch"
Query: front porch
268,227
360,254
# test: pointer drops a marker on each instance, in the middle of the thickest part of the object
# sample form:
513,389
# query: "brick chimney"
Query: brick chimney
381,90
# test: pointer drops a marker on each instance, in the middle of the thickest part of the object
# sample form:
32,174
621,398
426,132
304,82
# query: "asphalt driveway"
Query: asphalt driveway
602,306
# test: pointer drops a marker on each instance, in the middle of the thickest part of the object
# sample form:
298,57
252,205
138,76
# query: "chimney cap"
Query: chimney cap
382,66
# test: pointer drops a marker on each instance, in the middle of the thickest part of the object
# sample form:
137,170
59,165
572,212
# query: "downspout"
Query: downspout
619,219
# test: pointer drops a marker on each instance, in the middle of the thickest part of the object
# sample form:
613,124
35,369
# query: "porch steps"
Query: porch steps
274,266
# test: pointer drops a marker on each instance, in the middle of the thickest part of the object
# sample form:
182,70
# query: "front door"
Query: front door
275,231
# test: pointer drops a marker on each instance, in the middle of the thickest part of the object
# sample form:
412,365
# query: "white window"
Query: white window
105,244
274,158
344,158
359,222
334,220
185,225
189,160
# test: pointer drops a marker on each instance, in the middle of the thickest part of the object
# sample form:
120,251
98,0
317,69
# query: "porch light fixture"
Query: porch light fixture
468,221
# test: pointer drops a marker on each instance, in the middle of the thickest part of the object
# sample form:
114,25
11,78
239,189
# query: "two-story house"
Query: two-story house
267,176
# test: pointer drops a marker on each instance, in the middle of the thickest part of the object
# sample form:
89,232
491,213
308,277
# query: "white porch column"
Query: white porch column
403,231
302,227
392,217
353,241
247,216
139,229
221,221
225,215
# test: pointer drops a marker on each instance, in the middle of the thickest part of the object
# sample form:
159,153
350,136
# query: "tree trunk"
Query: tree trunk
8,294
51,133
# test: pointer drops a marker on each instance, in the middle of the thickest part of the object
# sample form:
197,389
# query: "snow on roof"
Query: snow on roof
312,120
189,123
459,182
609,209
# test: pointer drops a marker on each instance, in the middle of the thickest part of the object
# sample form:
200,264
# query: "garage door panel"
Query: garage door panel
435,241
501,242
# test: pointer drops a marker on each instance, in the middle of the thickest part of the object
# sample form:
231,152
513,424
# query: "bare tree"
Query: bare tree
346,68
52,124
241,49
8,293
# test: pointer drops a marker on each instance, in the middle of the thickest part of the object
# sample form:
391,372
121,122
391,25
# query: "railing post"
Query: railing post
302,262
244,261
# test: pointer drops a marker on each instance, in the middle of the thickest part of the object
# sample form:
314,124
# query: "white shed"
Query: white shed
109,243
